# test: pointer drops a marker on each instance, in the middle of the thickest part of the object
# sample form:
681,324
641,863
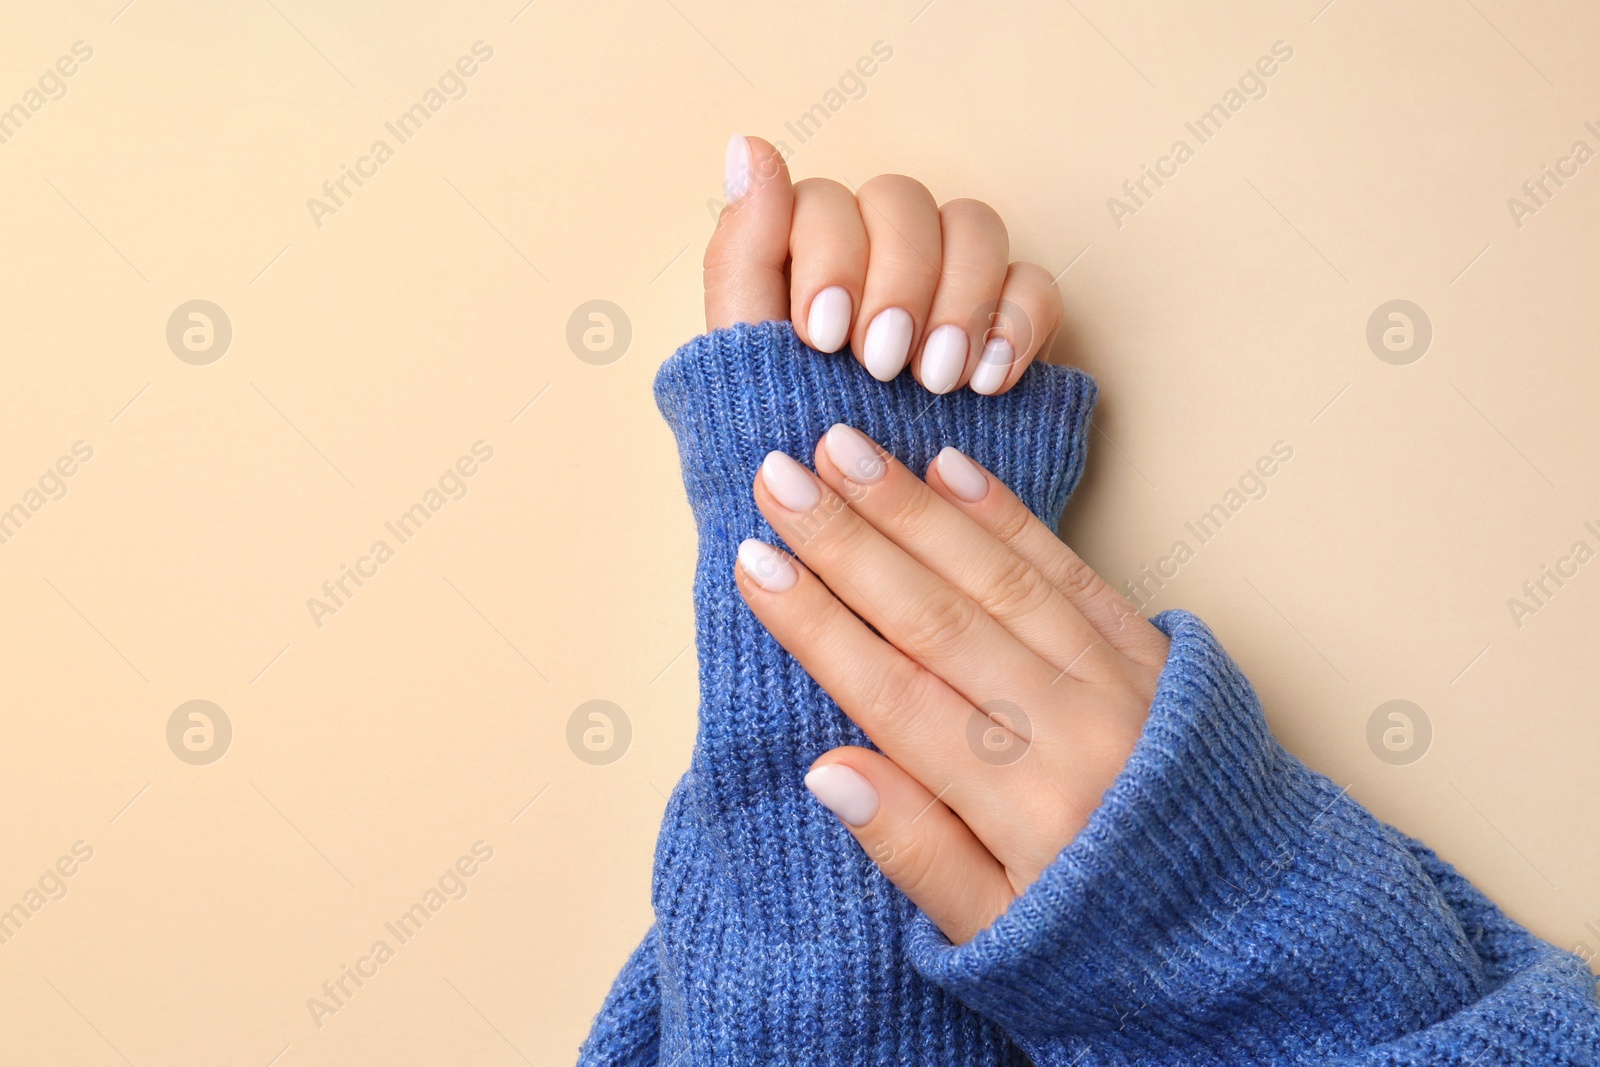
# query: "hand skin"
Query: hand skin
981,607
885,268
1011,682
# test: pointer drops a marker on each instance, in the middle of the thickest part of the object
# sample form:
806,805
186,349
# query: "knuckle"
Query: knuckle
1075,578
895,187
968,208
943,621
911,512
1033,276
910,861
1031,287
720,252
972,214
893,690
1012,523
821,189
1016,589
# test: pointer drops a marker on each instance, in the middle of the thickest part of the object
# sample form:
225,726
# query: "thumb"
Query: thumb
744,264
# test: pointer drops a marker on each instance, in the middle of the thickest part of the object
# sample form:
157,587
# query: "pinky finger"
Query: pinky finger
919,844
1027,318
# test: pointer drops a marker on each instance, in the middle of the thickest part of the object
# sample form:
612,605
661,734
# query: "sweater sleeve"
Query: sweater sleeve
777,942
627,1032
1225,905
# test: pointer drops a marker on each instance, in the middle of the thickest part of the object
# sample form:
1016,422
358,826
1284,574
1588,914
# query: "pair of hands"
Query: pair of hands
1002,680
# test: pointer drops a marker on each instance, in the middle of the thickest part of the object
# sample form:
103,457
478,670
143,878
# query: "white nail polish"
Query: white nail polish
790,484
766,566
993,367
854,454
844,792
964,477
828,324
736,169
944,357
888,343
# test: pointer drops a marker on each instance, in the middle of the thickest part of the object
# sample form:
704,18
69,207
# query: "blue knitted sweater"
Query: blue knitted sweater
1224,905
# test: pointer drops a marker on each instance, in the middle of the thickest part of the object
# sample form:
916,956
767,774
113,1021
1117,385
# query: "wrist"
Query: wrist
1214,859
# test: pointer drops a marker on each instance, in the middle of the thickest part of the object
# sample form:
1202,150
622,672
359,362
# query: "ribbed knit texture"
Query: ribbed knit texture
778,942
1225,905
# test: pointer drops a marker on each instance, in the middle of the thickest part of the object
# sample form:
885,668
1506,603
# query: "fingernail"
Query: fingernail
736,169
766,566
964,477
993,367
789,483
888,343
944,356
854,454
844,792
829,320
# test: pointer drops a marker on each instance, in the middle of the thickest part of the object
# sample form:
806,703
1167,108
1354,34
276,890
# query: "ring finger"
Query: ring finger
903,262
975,249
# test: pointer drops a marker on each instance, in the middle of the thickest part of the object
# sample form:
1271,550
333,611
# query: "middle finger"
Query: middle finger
949,544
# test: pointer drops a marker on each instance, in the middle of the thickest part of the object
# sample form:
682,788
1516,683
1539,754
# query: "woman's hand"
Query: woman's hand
1003,680
884,268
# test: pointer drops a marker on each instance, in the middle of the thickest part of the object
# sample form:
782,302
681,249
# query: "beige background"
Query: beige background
368,354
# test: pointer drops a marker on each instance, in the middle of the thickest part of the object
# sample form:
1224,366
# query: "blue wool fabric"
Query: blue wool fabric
1225,905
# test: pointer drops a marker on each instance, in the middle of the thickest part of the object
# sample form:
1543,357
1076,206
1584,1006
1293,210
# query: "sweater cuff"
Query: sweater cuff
735,394
1223,899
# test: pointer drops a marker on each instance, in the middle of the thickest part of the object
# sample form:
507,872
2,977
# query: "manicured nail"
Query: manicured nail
844,792
993,367
766,566
944,356
854,454
789,483
888,343
964,477
829,320
736,169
